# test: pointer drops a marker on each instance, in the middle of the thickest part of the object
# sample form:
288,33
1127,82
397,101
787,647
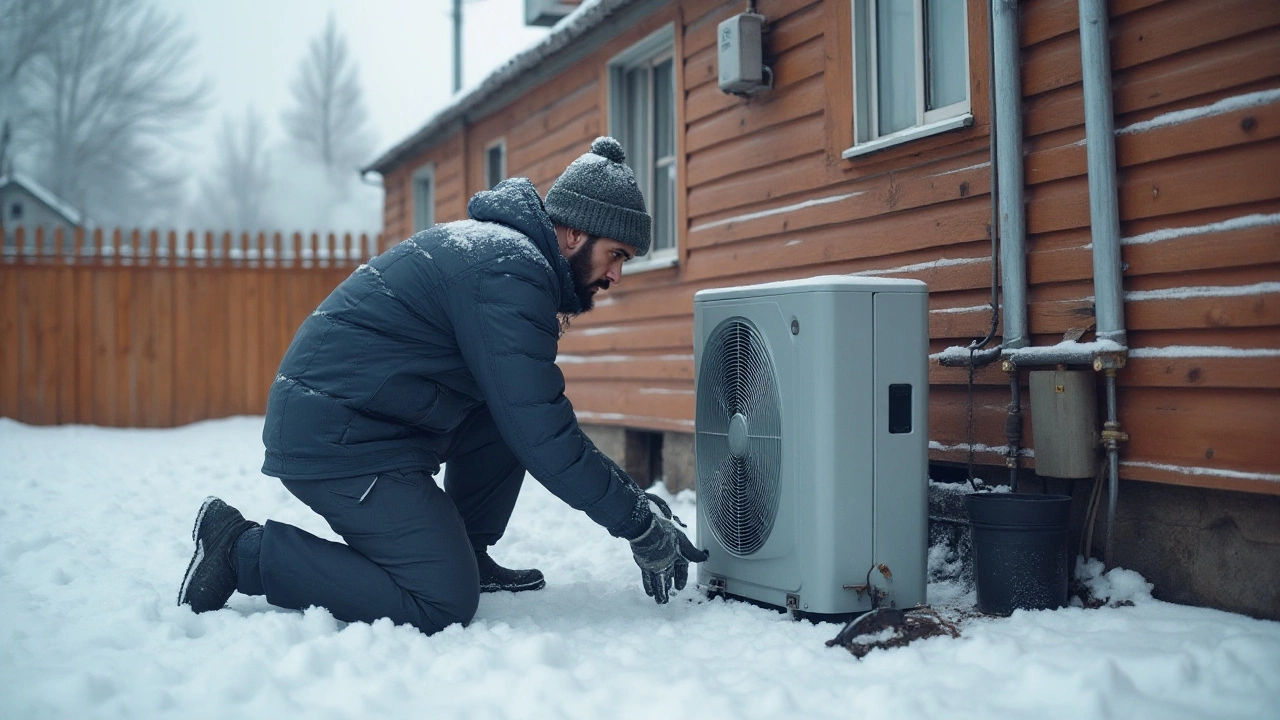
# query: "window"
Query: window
911,70
495,164
424,198
642,116
15,211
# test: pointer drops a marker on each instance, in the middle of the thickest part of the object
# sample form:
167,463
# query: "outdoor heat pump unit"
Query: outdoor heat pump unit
811,442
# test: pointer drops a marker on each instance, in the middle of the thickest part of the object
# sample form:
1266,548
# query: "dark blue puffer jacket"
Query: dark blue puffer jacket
456,316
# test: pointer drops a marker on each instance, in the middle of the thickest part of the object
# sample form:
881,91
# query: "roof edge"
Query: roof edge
574,26
44,195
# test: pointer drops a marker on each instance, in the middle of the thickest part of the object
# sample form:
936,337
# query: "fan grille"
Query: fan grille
739,429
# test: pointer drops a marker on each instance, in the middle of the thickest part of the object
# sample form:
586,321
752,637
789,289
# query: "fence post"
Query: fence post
171,247
261,256
78,249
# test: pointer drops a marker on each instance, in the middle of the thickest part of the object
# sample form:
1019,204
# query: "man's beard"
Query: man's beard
581,269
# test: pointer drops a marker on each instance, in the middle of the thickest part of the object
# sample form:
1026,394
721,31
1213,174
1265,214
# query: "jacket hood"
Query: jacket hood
515,203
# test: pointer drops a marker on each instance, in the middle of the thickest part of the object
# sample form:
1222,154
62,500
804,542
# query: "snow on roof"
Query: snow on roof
588,15
43,194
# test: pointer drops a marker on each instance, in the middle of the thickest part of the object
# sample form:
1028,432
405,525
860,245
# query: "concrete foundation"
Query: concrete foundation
1202,547
648,456
678,468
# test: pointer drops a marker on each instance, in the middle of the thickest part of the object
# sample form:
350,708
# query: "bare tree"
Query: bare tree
328,120
104,97
234,195
26,28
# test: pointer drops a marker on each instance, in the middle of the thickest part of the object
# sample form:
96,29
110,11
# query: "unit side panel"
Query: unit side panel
901,436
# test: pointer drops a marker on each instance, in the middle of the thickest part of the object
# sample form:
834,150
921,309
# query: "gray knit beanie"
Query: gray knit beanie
597,194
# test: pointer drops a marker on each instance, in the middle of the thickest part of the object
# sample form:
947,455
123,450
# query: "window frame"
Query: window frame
866,95
501,146
656,48
426,172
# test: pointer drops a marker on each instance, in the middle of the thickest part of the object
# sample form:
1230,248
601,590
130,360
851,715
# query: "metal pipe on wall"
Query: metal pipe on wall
1100,142
1111,440
1007,82
1104,219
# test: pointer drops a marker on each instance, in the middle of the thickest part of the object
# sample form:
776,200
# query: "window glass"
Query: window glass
663,209
642,116
895,78
423,203
663,110
493,170
637,125
945,60
910,68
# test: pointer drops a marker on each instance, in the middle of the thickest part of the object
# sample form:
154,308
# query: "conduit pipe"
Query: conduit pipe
1103,204
1104,219
1103,212
1007,81
1008,198
1100,142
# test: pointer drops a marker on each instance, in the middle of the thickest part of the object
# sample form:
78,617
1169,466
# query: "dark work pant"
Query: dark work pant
408,553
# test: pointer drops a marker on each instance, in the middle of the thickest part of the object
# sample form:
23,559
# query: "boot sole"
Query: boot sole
196,559
535,585
199,553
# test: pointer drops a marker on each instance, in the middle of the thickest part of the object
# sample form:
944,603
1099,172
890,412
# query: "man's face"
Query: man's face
595,265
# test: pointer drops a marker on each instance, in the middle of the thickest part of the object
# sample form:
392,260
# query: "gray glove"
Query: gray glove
663,552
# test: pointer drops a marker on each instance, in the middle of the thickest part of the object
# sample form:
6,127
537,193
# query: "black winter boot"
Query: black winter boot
211,575
495,578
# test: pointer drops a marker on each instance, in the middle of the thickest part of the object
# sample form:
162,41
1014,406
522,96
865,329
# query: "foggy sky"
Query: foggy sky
250,51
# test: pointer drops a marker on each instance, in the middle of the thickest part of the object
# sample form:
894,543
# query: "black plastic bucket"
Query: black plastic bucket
1019,550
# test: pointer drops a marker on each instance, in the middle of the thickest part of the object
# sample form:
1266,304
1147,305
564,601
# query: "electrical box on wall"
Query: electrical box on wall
1064,421
741,55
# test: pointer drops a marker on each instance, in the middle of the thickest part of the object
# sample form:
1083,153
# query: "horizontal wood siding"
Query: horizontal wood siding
766,196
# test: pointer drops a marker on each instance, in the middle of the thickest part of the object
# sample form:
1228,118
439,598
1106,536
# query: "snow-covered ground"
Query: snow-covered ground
95,534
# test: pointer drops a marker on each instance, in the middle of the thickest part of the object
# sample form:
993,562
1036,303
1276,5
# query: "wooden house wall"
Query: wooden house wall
764,195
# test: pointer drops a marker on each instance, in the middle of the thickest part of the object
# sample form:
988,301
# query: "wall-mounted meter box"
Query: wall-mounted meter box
739,40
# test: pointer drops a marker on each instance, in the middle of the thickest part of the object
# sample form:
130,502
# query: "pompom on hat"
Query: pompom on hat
597,194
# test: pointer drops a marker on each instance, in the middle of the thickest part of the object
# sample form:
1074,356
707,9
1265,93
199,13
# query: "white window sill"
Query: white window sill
906,136
667,259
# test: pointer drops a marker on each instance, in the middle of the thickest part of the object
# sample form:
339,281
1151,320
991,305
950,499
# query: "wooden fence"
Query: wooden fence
150,329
